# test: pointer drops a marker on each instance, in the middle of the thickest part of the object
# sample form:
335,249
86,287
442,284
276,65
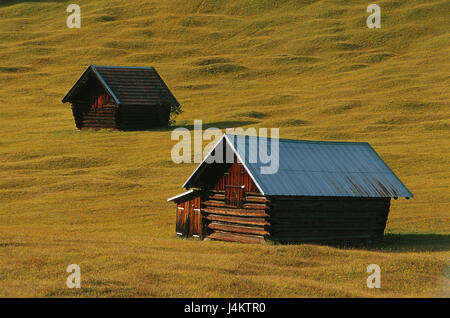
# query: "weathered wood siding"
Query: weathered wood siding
189,219
235,210
139,117
96,110
311,219
104,117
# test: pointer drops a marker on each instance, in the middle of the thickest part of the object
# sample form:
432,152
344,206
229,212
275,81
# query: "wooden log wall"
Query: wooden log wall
78,108
96,109
98,118
327,219
246,224
139,117
236,176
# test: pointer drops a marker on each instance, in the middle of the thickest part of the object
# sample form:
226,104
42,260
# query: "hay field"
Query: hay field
311,68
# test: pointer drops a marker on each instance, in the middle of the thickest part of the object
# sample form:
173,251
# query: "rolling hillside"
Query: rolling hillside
311,68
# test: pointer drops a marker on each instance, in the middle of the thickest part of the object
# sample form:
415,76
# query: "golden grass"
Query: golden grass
98,198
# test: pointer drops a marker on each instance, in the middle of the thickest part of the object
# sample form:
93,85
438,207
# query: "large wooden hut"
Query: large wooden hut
322,192
123,98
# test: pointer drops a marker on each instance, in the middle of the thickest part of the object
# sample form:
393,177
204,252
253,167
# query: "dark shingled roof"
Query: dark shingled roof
130,85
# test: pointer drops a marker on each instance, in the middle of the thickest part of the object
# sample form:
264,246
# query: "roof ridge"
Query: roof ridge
304,140
133,67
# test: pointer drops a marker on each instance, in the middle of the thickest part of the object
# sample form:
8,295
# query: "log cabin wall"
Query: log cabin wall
234,210
95,109
327,219
104,117
139,117
78,108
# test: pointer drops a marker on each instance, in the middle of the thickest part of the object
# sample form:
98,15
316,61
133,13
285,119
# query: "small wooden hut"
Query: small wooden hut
123,98
322,192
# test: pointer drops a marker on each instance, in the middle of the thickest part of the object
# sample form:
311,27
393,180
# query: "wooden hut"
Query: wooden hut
123,98
321,192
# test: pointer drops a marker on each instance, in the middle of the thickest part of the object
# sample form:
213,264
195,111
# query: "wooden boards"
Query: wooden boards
245,223
327,220
189,219
234,237
135,117
104,117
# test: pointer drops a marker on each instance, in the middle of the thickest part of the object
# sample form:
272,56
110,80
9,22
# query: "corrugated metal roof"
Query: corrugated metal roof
129,85
319,168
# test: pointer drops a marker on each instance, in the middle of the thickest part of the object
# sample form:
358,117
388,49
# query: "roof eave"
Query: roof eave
104,84
99,77
243,164
186,183
180,195
165,85
399,180
66,98
224,137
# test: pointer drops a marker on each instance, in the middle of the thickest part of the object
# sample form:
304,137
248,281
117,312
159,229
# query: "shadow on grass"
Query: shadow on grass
219,125
412,243
5,3
393,243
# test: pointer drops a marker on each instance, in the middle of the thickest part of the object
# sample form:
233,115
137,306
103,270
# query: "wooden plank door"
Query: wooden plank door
182,225
197,228
189,222
234,190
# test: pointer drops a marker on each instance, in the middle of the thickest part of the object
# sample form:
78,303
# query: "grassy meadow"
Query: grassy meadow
311,68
